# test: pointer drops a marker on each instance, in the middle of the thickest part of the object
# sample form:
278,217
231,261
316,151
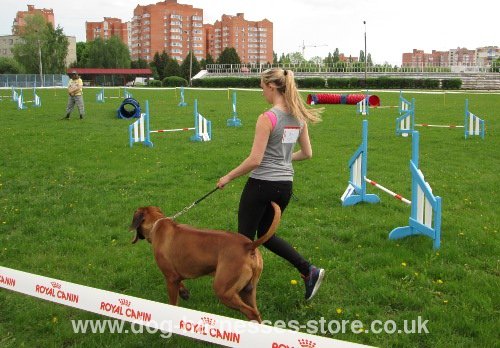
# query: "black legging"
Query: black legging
256,214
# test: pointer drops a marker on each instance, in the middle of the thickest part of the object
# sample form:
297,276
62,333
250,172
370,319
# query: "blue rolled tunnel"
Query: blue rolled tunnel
129,108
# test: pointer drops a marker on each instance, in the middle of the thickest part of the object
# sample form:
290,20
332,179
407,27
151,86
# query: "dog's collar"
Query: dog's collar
164,218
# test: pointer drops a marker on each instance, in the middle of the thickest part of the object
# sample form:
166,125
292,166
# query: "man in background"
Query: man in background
75,95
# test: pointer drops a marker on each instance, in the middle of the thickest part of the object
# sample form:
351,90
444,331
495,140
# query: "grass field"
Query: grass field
68,190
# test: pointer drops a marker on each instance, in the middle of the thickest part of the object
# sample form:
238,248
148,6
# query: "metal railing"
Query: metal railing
344,68
33,80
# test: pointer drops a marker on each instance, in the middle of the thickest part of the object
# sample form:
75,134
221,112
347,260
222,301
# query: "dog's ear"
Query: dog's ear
137,219
136,224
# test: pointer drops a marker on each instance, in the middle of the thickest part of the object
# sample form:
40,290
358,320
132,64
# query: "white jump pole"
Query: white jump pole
438,125
386,190
171,130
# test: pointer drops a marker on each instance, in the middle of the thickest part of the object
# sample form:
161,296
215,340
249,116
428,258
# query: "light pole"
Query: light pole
366,55
40,60
190,46
190,65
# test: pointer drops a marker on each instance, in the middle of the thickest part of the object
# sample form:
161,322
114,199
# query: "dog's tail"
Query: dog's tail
272,228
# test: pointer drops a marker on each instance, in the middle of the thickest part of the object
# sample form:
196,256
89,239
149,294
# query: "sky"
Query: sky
393,27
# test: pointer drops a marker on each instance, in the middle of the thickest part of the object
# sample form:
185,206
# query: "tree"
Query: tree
186,65
209,60
316,60
229,56
10,66
139,64
110,53
369,59
160,62
57,51
284,59
297,58
81,48
336,56
172,68
495,66
328,60
39,38
362,56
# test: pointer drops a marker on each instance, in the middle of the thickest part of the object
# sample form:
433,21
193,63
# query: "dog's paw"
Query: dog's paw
184,293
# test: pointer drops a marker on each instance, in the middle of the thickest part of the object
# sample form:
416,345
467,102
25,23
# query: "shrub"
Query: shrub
430,83
313,82
451,84
153,83
174,81
337,83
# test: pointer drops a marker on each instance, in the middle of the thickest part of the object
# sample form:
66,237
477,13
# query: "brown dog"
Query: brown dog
185,252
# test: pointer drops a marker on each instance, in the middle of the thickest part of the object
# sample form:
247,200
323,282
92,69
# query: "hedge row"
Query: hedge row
336,83
171,81
224,82
315,83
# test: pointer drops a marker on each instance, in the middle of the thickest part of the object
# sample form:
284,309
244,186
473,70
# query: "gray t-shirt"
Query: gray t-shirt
276,164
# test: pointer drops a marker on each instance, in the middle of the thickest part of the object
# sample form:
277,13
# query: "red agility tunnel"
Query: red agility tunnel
351,99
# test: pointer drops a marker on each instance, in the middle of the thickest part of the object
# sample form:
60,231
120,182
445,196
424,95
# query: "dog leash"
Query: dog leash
193,204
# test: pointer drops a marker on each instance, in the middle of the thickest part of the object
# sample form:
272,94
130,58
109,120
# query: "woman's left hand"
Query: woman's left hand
223,181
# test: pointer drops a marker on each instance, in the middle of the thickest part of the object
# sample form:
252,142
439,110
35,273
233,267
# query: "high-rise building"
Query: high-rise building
252,40
20,20
107,28
167,26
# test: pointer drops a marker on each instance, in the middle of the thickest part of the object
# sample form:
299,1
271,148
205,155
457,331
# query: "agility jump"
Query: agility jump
37,102
425,216
405,123
139,131
363,107
100,97
12,96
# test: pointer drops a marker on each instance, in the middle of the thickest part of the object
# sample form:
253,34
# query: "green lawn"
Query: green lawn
68,190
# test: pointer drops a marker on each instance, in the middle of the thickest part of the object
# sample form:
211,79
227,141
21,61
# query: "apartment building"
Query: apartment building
252,40
462,56
167,26
20,20
418,58
482,56
107,28
486,55
7,42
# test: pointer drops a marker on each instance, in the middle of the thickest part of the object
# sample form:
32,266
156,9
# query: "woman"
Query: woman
270,167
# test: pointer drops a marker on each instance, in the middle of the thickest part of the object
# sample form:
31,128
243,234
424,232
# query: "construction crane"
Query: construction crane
304,47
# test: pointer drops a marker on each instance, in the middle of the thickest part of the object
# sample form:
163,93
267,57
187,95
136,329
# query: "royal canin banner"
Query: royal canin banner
186,322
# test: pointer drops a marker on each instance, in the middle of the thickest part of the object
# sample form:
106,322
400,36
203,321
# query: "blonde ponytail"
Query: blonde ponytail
285,84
